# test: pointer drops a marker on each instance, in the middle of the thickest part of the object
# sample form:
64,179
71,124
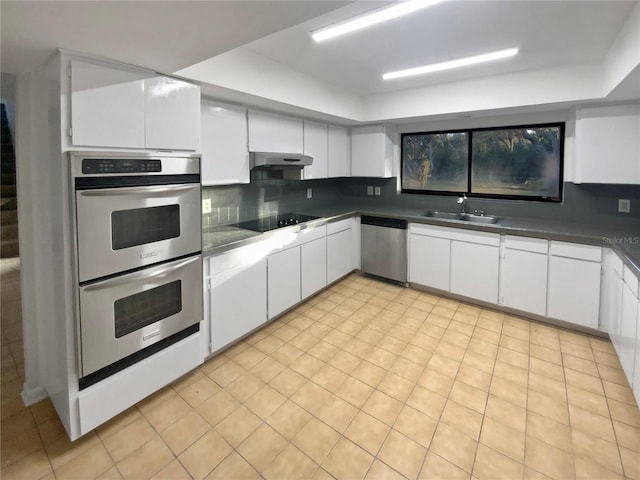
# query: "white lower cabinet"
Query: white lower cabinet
636,370
233,276
611,294
523,274
313,267
429,261
574,283
626,347
283,280
340,249
474,270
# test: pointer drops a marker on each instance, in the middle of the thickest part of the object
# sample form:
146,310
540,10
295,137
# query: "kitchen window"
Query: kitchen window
519,162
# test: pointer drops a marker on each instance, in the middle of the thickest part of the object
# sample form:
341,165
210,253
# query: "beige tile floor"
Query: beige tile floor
365,380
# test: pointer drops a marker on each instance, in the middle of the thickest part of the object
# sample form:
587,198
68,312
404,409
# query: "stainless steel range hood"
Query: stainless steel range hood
278,166
279,160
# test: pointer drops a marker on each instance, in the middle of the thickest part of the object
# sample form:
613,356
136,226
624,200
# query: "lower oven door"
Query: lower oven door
125,314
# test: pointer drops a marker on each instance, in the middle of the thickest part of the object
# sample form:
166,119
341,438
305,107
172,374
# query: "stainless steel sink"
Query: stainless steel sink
486,219
465,217
443,215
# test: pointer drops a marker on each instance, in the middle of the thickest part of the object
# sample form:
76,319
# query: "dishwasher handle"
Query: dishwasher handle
383,222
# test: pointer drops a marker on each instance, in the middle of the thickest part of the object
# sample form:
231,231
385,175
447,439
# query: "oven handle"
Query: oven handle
108,192
143,275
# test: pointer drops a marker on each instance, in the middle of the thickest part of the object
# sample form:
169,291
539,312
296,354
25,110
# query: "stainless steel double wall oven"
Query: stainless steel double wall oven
139,266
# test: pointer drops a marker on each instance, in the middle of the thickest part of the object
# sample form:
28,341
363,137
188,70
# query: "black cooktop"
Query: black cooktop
272,222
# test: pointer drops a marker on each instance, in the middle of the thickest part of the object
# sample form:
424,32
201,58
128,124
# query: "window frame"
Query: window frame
495,196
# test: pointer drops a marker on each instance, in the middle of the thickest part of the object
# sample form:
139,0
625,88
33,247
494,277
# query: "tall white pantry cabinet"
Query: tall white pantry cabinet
94,105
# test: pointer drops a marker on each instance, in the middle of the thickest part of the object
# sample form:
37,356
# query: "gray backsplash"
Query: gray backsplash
585,204
237,203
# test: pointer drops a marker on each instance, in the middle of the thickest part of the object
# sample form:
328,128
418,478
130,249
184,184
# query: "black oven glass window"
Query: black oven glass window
141,309
140,226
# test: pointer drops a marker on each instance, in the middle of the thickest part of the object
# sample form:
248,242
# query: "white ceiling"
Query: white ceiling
548,34
161,35
260,53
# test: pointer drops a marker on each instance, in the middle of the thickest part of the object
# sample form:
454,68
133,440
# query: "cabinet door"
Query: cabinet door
371,152
524,281
107,106
313,259
315,145
574,291
616,159
234,276
339,152
636,369
269,132
284,281
429,261
340,260
611,294
474,270
628,333
172,114
225,157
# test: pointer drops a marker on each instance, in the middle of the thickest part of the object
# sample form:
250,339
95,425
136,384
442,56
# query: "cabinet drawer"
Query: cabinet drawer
575,250
431,230
470,236
339,226
232,259
526,244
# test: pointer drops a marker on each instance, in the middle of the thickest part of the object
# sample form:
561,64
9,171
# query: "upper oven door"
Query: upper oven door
123,228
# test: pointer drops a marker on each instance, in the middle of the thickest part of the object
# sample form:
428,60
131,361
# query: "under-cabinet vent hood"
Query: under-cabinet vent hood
279,160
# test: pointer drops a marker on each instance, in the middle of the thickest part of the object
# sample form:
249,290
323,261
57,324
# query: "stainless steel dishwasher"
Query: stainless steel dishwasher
384,247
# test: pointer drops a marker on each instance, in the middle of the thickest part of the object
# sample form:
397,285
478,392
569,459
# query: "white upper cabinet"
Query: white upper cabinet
316,141
107,106
225,157
371,152
270,132
125,107
339,152
172,114
607,145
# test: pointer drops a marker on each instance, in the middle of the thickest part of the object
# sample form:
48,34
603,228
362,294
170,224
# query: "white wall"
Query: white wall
8,97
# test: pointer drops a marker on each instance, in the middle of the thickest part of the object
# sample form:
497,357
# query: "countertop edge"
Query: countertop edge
503,228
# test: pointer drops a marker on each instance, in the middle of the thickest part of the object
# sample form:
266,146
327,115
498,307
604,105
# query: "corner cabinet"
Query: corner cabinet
271,132
606,145
225,156
371,152
125,107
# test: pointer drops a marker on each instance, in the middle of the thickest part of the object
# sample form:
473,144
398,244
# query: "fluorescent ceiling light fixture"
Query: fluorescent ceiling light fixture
378,16
461,62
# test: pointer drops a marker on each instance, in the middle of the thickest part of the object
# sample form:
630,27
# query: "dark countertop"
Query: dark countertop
627,243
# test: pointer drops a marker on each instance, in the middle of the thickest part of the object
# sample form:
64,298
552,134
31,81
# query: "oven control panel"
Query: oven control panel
118,165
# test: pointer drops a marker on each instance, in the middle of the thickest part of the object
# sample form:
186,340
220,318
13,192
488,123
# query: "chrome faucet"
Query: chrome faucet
463,202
